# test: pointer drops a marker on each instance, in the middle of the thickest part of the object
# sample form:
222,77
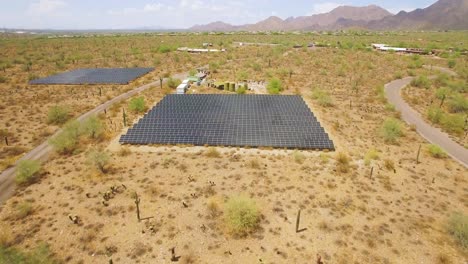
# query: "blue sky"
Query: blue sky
118,14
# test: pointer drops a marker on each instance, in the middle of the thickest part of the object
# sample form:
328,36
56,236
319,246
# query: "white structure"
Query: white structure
182,88
200,50
384,47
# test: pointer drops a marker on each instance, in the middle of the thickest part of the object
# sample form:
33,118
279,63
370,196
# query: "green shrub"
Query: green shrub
58,115
391,130
67,141
421,82
454,123
23,209
372,154
3,79
173,83
299,157
451,63
40,254
164,49
457,103
242,215
137,105
92,127
458,228
98,159
274,86
322,97
241,90
26,171
436,152
435,114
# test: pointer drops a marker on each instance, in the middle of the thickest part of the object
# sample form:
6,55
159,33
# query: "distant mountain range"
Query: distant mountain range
442,15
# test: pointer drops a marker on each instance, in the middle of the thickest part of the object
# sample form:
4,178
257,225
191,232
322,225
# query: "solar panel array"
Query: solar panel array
95,76
230,120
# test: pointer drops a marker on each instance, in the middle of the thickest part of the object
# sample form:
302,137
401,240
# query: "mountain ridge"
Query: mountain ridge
442,15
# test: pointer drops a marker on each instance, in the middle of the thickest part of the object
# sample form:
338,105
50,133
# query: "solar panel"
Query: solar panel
95,76
279,121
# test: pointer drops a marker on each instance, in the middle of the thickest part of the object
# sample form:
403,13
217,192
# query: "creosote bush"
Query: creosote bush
421,82
67,141
98,159
27,171
137,105
242,215
342,162
212,153
391,130
322,97
274,86
173,83
436,152
458,228
58,115
41,254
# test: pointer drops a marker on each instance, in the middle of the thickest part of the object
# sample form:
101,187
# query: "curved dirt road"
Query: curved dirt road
41,152
430,133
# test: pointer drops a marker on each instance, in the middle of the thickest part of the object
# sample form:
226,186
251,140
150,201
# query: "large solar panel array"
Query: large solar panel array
230,120
95,76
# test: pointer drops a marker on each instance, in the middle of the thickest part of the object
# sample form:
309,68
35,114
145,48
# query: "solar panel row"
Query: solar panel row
231,120
95,76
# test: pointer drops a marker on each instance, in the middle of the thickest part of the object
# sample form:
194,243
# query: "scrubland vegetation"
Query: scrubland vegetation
377,199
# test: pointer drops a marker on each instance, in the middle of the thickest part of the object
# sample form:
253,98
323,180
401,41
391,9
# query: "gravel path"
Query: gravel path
41,152
430,133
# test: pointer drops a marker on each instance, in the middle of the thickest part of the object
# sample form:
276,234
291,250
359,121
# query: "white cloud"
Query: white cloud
153,7
45,6
321,8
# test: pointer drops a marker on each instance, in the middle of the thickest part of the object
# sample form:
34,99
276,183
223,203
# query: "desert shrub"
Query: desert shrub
23,210
390,107
457,103
58,115
40,254
212,153
242,215
342,162
458,228
92,127
421,82
389,164
124,151
435,114
442,79
3,79
391,130
372,154
164,49
241,90
137,105
322,97
98,159
213,207
454,123
67,141
6,237
436,152
27,171
451,63
380,91
254,164
173,83
298,157
274,86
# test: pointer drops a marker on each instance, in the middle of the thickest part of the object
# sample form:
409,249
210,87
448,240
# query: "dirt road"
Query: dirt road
430,133
41,152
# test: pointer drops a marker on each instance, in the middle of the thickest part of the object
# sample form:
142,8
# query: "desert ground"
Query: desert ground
375,199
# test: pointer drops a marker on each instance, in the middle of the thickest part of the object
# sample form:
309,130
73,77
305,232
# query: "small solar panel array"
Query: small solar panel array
230,120
95,76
